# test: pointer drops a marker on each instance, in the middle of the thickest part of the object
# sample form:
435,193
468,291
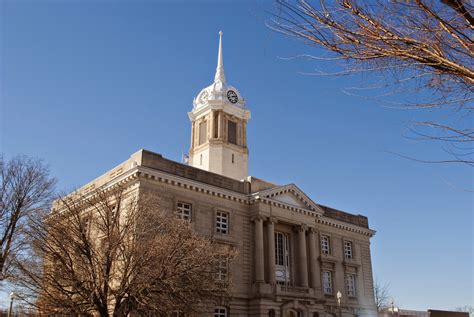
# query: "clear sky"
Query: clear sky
84,84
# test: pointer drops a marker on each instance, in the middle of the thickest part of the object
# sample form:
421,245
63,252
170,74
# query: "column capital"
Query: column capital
272,220
300,228
257,217
312,230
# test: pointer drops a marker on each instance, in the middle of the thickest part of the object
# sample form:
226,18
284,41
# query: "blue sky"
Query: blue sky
84,84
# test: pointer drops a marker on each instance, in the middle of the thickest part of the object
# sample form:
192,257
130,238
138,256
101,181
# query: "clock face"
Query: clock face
232,96
204,96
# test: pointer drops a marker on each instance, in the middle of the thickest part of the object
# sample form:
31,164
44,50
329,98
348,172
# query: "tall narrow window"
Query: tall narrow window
233,159
282,258
184,210
222,222
232,132
348,249
202,132
221,269
351,284
216,124
327,282
325,248
220,311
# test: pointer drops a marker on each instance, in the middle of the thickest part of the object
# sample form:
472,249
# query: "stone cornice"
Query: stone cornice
291,188
186,183
276,203
137,172
345,226
239,112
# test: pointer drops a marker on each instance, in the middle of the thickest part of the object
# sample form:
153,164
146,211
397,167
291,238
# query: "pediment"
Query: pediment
290,195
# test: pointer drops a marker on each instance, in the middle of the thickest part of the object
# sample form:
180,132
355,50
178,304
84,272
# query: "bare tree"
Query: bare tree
467,308
25,192
423,50
381,294
116,252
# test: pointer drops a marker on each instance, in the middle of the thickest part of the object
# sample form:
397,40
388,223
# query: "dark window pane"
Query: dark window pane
232,132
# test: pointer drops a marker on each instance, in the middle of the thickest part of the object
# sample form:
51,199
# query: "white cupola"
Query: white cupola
219,127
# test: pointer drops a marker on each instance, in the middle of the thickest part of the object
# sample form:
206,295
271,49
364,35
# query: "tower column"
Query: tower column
302,259
259,251
212,123
221,130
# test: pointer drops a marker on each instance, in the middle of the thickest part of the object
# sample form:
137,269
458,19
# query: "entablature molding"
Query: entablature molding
345,226
182,182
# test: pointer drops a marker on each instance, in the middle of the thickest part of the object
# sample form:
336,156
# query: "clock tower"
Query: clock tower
219,127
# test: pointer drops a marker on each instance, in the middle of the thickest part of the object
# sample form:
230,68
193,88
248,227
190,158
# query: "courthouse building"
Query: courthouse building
294,255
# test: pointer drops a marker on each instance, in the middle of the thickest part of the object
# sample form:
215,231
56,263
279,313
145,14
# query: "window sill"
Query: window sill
224,238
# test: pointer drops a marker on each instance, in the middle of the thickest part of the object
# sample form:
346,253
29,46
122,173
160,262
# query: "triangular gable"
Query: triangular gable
291,195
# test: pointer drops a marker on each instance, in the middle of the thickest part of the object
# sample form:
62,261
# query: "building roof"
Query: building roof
250,186
445,313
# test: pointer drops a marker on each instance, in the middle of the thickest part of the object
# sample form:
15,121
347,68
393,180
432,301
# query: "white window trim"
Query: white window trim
181,210
222,269
219,223
351,250
328,244
351,287
220,311
328,289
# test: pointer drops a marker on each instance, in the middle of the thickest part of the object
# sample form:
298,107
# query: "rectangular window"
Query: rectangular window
202,132
282,258
184,211
221,269
325,249
222,222
220,311
327,282
351,284
348,249
232,132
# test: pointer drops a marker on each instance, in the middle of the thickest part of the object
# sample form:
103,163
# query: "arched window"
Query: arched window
220,311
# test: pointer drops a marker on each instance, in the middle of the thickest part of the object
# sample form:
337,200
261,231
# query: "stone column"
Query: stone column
313,260
259,251
271,250
212,123
302,259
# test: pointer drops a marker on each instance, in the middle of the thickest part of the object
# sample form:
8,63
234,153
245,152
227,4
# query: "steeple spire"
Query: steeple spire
220,76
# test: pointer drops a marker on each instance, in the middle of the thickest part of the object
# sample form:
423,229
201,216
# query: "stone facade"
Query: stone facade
258,213
294,255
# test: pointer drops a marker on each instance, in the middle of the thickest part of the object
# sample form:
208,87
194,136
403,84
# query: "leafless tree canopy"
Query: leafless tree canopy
26,191
424,46
113,254
382,295
467,308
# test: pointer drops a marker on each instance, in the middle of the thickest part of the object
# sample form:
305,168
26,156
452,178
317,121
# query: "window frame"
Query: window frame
283,257
351,249
351,287
220,311
229,122
329,290
218,222
322,237
202,133
222,269
180,210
